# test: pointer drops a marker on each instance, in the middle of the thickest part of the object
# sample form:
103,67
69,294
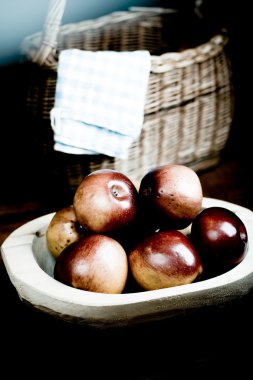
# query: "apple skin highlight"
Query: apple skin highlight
95,263
220,237
106,201
171,196
164,259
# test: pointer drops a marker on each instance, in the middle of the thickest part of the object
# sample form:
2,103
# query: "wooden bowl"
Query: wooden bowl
30,266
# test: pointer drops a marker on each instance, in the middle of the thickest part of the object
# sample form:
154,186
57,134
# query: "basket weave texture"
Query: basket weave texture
189,102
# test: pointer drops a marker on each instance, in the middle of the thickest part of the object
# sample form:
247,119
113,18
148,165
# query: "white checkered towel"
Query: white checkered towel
99,101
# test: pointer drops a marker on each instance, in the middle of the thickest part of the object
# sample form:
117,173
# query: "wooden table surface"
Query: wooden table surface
208,342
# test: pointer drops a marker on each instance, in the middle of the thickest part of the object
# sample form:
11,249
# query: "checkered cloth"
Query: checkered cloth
99,101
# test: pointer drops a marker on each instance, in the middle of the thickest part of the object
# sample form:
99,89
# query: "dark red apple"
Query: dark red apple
96,263
106,201
220,237
164,259
170,196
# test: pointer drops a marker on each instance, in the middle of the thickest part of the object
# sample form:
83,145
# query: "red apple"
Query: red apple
164,259
106,201
62,230
96,263
220,237
171,196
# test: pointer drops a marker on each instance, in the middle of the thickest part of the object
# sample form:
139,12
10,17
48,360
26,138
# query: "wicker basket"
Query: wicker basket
189,103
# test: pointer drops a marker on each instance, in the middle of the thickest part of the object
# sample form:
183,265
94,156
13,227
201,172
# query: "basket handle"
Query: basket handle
50,31
48,43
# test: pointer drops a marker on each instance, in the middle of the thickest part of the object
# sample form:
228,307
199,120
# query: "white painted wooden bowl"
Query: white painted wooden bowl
30,266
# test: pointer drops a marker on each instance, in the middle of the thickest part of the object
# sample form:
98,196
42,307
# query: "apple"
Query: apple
170,196
220,237
106,201
96,263
164,259
62,230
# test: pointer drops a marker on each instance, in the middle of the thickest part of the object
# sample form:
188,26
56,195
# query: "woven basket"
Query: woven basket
189,102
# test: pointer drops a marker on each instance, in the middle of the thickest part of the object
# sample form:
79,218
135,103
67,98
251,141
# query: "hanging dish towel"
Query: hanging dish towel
99,101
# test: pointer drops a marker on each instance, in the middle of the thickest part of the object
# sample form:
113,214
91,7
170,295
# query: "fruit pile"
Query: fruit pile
117,237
